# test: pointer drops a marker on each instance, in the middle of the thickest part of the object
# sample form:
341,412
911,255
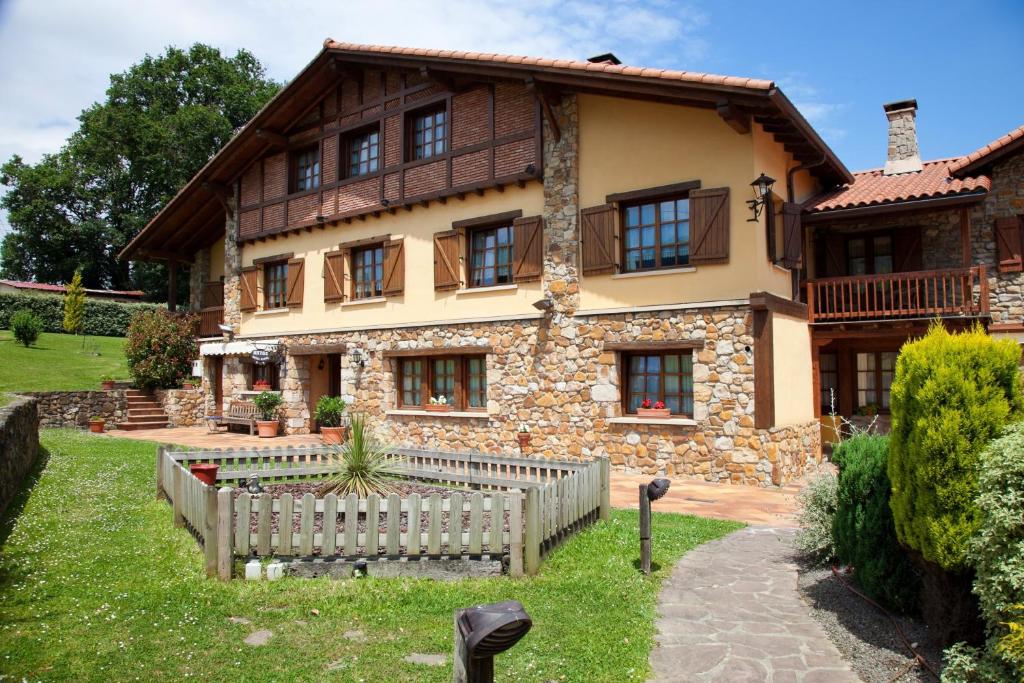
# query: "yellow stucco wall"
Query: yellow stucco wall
794,385
420,303
217,260
631,145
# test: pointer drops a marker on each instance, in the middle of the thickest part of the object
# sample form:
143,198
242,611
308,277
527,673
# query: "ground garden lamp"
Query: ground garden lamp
762,191
649,493
483,632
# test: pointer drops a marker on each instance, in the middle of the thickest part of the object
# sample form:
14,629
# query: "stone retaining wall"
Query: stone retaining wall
74,408
19,445
184,407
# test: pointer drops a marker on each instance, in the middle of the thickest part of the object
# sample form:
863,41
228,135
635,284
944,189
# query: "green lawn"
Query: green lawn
59,362
96,584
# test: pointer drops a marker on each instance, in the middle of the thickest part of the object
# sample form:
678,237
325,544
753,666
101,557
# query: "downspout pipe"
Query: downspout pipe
796,169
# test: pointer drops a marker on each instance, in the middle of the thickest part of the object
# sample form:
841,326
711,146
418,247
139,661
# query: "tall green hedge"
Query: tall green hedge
951,395
102,318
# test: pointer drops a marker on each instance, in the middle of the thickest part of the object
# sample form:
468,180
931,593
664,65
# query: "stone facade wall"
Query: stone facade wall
19,445
1006,198
74,408
184,407
232,268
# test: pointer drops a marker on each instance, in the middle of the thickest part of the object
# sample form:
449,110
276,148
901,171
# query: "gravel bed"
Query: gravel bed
865,636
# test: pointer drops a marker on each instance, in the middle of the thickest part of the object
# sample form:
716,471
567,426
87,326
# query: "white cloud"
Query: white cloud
813,104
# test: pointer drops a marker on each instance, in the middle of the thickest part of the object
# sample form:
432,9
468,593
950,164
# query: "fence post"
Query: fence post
160,450
532,530
210,530
225,516
606,492
179,495
515,532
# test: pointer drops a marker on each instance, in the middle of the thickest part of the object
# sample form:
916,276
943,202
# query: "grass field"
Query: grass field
59,362
96,584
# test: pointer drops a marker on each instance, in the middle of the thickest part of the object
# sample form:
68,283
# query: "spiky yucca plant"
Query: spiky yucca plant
363,463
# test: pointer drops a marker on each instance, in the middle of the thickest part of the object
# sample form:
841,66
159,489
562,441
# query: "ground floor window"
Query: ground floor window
828,381
461,380
874,379
268,373
665,376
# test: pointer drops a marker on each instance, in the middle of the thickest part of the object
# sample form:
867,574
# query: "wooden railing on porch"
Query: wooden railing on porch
212,313
918,294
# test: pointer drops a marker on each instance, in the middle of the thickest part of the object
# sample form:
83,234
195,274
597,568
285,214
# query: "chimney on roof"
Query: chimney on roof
606,58
904,155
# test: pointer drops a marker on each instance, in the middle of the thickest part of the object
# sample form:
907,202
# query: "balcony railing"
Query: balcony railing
209,319
920,294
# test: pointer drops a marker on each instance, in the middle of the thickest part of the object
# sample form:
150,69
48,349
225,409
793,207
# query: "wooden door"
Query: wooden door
217,380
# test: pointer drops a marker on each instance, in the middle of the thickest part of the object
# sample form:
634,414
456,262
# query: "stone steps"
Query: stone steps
144,412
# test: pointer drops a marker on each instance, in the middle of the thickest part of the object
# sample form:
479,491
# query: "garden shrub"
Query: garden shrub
102,318
74,305
863,530
160,348
26,327
817,504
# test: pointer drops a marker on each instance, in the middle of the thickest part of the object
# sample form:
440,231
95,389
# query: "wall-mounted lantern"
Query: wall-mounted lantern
762,186
355,355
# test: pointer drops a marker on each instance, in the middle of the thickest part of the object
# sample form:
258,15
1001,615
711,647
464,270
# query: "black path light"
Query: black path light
649,493
485,631
762,191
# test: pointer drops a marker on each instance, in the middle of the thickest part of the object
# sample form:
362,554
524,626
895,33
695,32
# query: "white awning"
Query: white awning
236,348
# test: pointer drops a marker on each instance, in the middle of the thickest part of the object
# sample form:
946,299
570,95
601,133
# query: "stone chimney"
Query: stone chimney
904,156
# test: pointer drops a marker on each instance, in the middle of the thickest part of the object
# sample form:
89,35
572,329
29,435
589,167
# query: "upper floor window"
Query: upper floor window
657,235
305,171
869,255
275,284
659,377
428,133
363,152
490,256
368,272
461,380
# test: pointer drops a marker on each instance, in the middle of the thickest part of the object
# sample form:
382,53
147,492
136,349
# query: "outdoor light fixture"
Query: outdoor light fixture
544,304
762,193
356,356
531,169
485,631
648,493
359,568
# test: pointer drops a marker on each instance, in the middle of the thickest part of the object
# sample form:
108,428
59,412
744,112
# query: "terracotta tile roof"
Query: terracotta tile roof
874,188
1015,136
44,287
568,64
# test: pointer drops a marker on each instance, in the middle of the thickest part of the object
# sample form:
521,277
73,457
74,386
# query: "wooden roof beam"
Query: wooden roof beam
543,97
272,138
738,119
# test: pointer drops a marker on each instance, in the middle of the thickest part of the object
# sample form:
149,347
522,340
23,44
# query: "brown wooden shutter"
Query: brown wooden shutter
906,249
248,285
597,232
709,225
334,276
527,248
792,235
834,262
446,260
296,281
394,267
1008,244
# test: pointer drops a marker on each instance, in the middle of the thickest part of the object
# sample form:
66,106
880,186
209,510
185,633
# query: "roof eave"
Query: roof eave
948,201
983,162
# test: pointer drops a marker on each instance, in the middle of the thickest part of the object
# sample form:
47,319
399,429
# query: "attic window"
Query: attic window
305,171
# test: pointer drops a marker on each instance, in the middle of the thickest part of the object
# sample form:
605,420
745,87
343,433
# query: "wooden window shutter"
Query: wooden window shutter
334,276
446,260
527,248
598,228
833,263
906,249
792,235
248,285
394,267
709,225
296,280
1008,245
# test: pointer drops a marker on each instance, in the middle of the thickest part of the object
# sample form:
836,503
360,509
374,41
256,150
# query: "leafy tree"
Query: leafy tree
160,348
162,119
74,305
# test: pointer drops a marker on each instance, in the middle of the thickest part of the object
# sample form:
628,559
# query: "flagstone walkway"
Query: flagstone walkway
731,612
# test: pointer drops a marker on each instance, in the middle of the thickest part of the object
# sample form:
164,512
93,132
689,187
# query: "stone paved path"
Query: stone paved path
731,612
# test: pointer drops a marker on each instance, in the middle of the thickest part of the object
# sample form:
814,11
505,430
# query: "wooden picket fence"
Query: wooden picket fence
521,507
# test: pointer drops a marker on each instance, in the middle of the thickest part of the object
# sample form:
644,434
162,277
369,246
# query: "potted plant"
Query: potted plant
191,383
439,404
658,409
261,385
107,382
523,435
267,403
205,472
329,413
96,424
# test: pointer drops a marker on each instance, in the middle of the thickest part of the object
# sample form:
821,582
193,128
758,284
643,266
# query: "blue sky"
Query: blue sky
839,62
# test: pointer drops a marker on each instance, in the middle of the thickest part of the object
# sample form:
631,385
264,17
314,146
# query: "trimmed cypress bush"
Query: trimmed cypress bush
864,534
102,318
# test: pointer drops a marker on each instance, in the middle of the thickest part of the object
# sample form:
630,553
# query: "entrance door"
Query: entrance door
324,380
217,383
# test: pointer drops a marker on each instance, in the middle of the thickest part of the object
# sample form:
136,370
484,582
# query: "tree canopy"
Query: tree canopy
162,119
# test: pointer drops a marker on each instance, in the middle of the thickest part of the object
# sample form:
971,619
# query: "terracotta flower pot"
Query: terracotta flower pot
108,385
96,426
267,428
653,412
205,472
524,439
261,386
333,434
438,408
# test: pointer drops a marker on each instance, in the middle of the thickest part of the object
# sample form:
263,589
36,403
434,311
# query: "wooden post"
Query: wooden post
172,286
515,532
225,516
210,530
160,450
606,490
179,495
532,530
645,531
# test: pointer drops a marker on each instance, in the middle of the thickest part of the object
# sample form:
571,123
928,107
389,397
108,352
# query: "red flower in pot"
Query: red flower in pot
656,409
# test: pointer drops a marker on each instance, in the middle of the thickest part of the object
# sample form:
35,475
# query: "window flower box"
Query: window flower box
438,408
658,409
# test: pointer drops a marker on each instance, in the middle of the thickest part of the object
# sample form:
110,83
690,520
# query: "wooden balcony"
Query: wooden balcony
209,319
957,292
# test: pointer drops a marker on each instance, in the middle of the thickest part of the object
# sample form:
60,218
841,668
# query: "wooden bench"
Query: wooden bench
239,413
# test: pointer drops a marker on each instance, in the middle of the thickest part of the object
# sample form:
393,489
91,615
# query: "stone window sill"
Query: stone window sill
253,392
364,302
668,421
466,414
469,291
652,273
272,311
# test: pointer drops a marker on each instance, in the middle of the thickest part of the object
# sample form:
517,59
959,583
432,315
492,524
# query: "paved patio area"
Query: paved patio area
770,506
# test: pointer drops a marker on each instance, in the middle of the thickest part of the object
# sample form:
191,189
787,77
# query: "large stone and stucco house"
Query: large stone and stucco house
548,244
